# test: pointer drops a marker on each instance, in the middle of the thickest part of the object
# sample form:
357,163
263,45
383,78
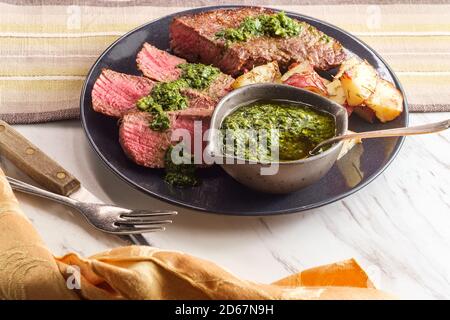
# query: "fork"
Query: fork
106,218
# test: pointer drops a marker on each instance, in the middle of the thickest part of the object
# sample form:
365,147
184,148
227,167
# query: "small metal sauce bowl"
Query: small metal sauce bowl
291,175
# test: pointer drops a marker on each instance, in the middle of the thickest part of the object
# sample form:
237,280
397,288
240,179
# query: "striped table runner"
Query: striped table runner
47,47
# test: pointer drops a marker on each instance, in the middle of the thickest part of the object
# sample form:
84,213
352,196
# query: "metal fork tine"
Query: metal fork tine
144,213
134,222
138,230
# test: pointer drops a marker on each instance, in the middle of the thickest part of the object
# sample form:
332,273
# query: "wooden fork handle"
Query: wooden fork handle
35,163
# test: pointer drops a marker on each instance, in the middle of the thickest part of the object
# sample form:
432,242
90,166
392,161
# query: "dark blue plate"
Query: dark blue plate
218,192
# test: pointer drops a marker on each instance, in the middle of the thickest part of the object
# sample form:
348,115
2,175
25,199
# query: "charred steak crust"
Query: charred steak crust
115,93
194,37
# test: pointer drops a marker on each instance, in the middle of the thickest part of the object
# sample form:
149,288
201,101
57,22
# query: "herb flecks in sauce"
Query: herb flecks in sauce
298,129
270,25
179,175
168,96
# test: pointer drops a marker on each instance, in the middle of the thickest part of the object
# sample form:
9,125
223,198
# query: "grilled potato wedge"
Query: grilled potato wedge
305,77
370,95
302,68
347,65
308,82
266,73
359,82
386,101
336,92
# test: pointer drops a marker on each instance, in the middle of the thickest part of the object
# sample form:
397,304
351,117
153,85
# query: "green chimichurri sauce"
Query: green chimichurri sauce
297,129
197,75
168,96
273,25
179,175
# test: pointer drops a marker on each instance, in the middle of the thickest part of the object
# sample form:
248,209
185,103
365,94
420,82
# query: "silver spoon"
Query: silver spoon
405,131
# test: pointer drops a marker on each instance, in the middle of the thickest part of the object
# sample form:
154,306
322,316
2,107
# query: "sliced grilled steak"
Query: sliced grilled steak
194,37
147,147
143,145
219,87
162,66
157,64
198,100
115,93
193,121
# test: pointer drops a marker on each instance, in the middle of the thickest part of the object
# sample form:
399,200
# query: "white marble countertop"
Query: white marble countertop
398,227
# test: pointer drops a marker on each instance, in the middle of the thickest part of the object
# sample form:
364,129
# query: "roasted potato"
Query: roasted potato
347,65
261,74
359,82
304,67
386,101
336,92
308,82
370,95
303,76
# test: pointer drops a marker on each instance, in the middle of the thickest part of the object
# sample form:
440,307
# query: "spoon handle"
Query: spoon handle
405,131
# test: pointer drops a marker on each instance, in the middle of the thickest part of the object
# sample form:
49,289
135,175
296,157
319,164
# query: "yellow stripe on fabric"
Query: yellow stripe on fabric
431,79
354,18
385,45
45,65
63,28
426,90
32,96
418,63
36,86
54,46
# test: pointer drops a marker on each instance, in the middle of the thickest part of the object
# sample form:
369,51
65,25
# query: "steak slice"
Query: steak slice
194,37
198,99
115,93
194,122
141,144
162,66
147,147
157,64
219,87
